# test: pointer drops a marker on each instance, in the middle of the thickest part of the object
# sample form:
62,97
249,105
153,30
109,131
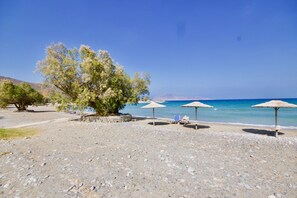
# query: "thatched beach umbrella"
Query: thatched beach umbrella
197,105
153,105
276,104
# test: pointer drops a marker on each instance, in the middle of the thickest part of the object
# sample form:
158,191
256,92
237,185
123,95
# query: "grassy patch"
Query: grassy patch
16,133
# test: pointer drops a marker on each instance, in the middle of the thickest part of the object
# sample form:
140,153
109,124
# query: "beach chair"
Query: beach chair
176,119
185,120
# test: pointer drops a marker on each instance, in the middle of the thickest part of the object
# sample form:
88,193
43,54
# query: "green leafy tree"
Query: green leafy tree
21,95
57,97
90,79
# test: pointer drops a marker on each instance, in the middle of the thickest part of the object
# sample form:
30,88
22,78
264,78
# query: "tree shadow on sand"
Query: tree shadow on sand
158,123
262,132
193,126
48,111
42,111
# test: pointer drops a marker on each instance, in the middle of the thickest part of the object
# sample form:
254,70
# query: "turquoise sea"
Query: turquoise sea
224,111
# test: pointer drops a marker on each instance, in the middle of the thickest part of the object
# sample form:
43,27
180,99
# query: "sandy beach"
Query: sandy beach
136,159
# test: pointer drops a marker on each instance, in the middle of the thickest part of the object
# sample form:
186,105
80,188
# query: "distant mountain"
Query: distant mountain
37,86
175,97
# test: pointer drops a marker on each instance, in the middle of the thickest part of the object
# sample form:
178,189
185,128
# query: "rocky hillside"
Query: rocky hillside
36,86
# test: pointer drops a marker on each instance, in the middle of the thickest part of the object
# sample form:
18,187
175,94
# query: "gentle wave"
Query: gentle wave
253,125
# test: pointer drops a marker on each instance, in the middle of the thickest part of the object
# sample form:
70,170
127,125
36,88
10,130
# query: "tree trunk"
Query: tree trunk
20,107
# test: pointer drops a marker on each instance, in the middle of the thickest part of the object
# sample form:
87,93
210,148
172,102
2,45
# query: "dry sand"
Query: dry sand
136,159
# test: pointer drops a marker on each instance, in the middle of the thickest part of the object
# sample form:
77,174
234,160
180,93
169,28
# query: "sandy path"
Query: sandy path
41,115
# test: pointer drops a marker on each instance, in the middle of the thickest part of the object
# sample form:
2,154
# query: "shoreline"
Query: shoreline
70,115
225,123
234,112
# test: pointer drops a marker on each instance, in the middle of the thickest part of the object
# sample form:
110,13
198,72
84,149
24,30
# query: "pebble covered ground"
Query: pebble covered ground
136,159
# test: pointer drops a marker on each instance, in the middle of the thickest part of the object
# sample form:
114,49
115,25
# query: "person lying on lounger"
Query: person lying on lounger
185,120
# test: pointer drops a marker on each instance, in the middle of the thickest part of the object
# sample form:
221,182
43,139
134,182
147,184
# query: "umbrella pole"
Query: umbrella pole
154,116
196,118
275,117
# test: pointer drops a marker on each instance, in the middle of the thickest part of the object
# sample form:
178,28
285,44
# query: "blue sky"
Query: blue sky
209,49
